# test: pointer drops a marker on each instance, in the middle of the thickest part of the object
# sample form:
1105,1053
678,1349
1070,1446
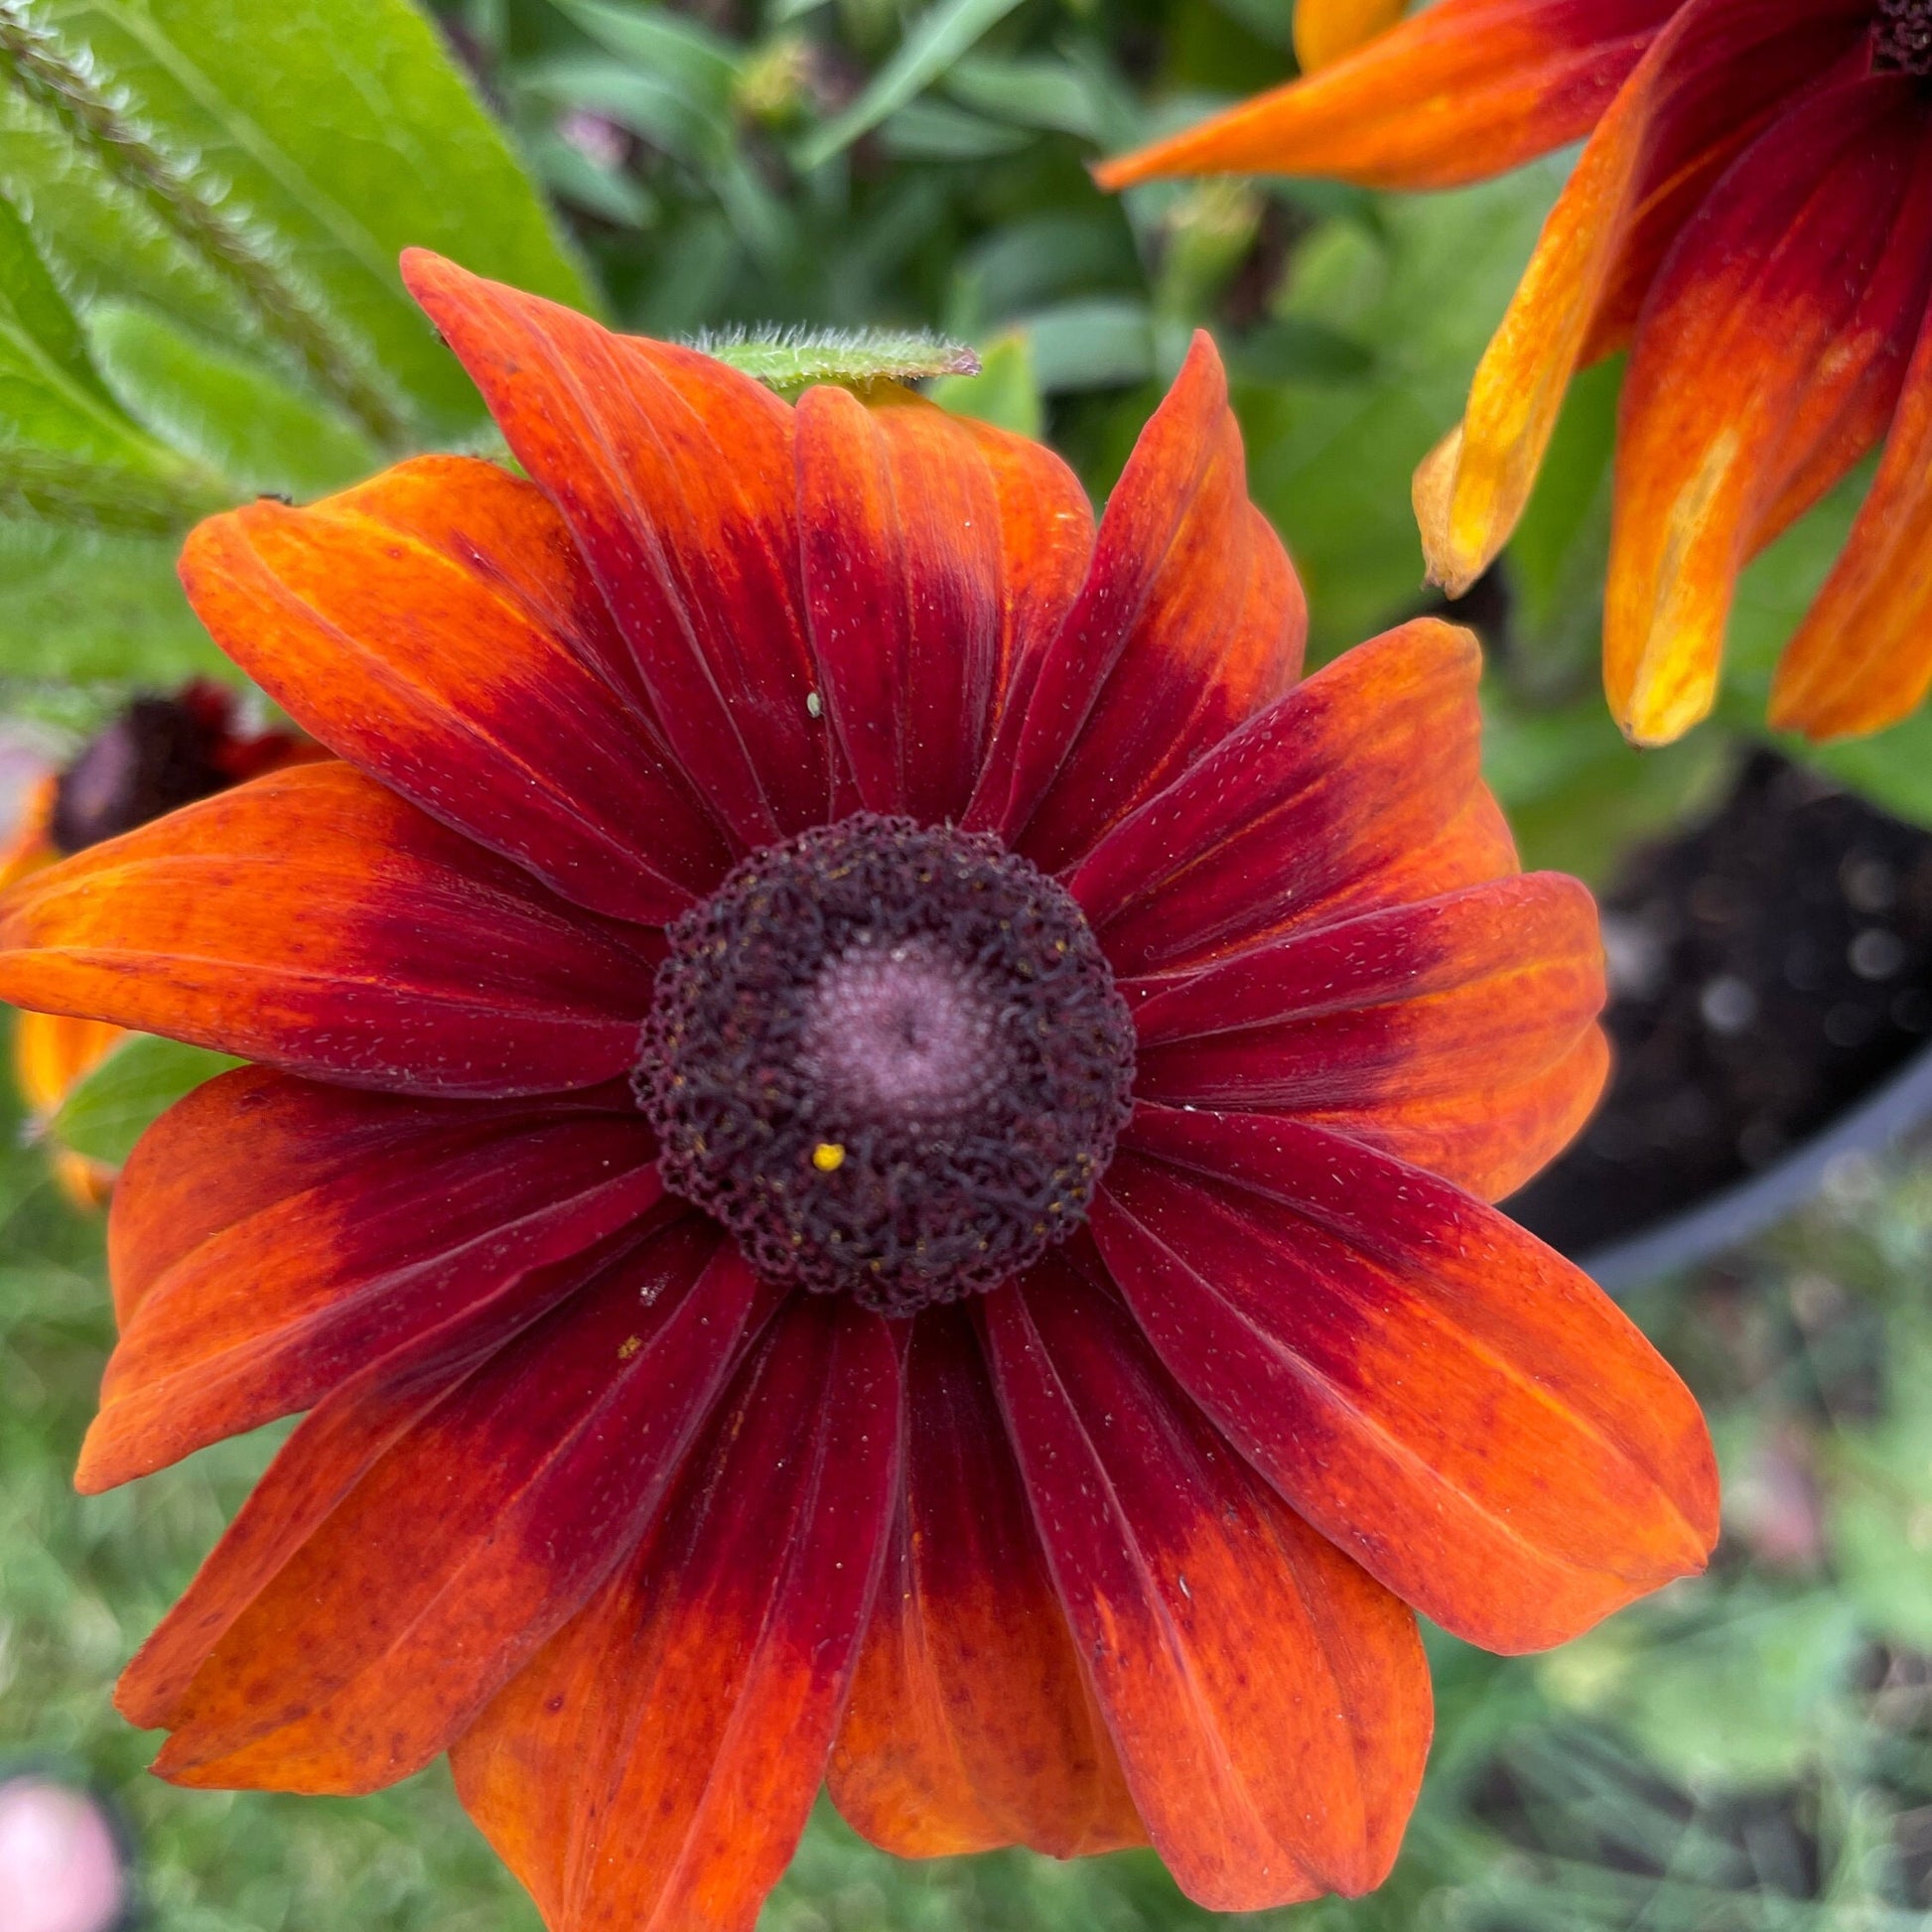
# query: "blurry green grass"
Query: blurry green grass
1749,1751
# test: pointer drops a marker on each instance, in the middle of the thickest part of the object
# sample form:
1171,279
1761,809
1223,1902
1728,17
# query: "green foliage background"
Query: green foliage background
200,204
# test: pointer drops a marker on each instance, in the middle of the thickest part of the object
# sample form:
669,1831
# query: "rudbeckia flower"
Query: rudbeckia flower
868,1153
1752,218
158,754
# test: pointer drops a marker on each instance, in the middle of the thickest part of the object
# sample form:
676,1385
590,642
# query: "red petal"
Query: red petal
1862,657
1312,808
970,1725
314,921
435,628
1461,1409
1462,91
1191,621
248,1288
940,556
1448,1006
387,1628
653,1766
1269,1701
676,476
1741,327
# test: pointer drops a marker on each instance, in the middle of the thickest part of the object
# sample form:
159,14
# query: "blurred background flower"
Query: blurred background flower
201,206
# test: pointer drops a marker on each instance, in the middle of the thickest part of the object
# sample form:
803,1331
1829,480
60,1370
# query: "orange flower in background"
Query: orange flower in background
159,753
1752,217
869,1155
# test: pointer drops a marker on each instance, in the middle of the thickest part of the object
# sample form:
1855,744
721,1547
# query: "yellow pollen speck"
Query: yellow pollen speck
828,1156
629,1347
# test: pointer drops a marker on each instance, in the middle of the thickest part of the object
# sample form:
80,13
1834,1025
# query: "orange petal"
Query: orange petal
1712,66
970,1725
1326,29
653,1767
314,921
676,476
1861,659
382,1634
940,556
1449,1007
436,626
1319,806
1192,621
1746,313
1269,1701
246,1288
1459,91
1465,1413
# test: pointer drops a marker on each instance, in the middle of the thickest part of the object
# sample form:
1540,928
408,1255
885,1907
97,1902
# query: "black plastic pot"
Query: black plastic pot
1731,1217
1771,1013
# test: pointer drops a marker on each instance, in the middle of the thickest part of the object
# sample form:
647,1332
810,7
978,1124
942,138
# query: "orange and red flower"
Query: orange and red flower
869,1155
1752,217
158,754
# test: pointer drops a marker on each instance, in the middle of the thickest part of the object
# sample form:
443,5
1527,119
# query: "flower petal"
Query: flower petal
248,1287
1861,659
1746,312
970,1725
1192,621
435,628
1716,64
676,476
653,1768
940,556
1339,797
1459,91
1449,1005
314,921
384,1633
1269,1701
1461,1409
1326,30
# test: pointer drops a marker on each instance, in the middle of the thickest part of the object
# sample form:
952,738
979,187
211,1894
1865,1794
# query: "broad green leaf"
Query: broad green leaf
1100,344
294,151
95,607
935,130
67,450
1421,287
798,357
1003,392
934,42
1047,94
244,421
110,1108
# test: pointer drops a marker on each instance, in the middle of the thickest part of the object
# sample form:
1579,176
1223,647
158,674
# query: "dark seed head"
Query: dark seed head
1902,38
158,754
890,1058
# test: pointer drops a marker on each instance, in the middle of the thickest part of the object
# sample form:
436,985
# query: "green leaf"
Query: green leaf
1102,342
291,151
260,433
937,39
1003,392
96,608
67,450
794,358
1420,284
110,1108
1047,94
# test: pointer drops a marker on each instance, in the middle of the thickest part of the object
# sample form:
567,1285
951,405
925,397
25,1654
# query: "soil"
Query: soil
1766,971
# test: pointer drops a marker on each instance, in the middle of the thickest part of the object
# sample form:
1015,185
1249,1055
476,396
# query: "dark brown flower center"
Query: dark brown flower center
1903,38
890,1058
158,754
